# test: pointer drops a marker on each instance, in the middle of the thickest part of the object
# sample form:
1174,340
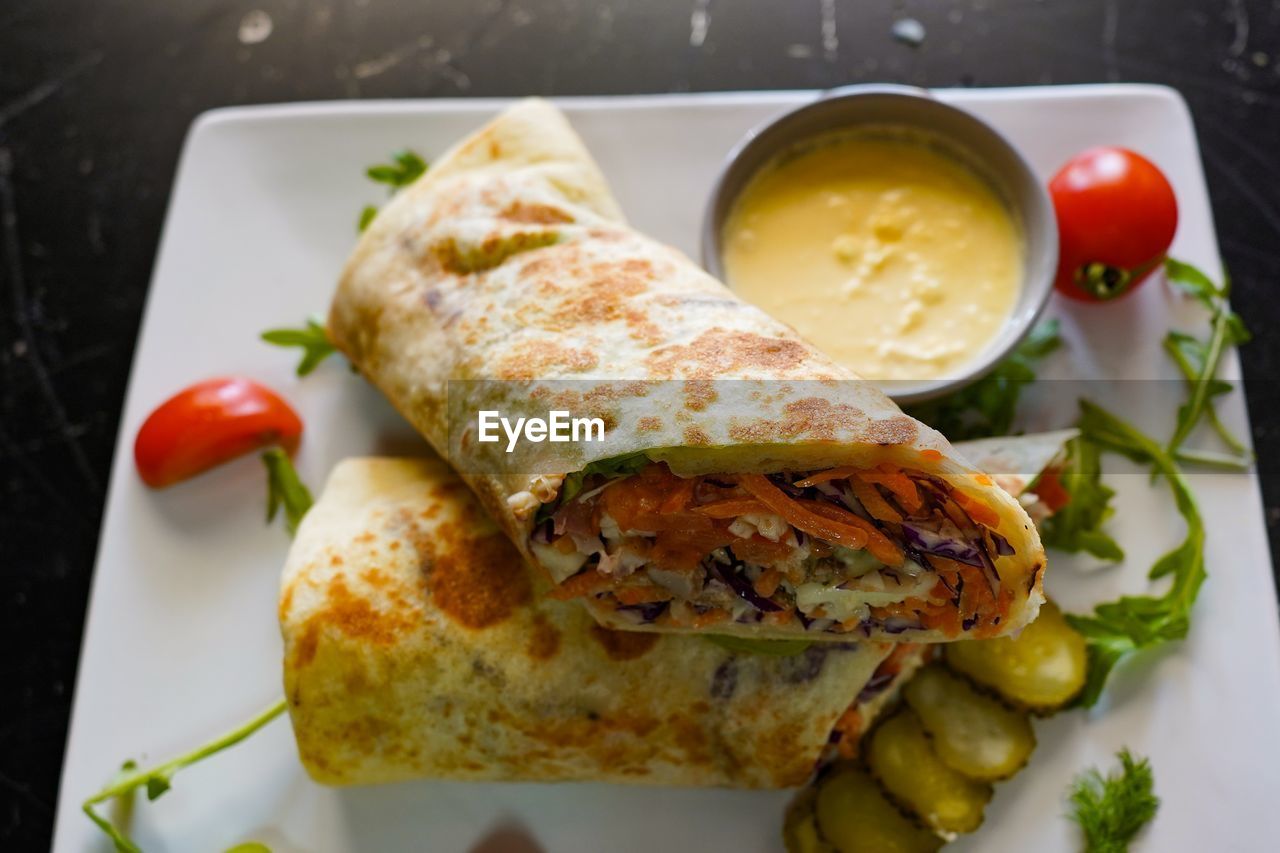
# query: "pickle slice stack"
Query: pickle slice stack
961,723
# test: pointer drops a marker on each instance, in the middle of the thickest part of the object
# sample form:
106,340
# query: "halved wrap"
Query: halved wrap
745,485
419,645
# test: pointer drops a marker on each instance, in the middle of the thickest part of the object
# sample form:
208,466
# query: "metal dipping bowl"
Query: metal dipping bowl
917,116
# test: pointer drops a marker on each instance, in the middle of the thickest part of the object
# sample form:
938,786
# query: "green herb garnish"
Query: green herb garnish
1078,525
156,780
311,338
1112,810
1198,360
744,645
1119,628
285,489
405,167
987,407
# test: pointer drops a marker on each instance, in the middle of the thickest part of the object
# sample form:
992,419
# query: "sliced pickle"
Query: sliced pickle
970,731
1041,670
853,816
800,829
902,759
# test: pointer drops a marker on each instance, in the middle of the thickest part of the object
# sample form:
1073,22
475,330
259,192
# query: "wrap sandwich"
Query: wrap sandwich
745,484
419,645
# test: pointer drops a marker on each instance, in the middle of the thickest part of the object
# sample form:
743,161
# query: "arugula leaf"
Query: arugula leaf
1078,525
312,338
618,466
745,645
1119,628
1111,811
1198,360
285,489
156,780
405,167
987,407
1195,283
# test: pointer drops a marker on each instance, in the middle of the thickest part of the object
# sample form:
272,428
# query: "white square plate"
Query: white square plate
181,641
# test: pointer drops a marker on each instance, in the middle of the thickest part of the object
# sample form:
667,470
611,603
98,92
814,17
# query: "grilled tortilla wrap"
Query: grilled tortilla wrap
418,645
746,485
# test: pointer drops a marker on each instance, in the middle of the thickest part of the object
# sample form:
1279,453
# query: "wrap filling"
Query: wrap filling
844,550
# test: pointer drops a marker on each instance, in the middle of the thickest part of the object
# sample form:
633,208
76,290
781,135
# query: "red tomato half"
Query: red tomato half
210,423
1116,218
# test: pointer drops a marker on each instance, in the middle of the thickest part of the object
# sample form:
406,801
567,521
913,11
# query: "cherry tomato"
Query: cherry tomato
210,423
1116,218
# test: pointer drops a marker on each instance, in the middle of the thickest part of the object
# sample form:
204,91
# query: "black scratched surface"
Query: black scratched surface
96,95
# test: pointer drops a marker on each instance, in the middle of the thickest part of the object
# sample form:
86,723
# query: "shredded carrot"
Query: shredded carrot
680,495
976,598
825,476
642,594
872,502
931,454
799,516
982,479
977,510
850,727
897,482
780,617
767,583
902,652
581,584
878,544
713,616
731,508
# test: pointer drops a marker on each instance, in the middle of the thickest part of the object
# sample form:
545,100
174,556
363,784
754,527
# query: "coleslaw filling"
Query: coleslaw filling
842,550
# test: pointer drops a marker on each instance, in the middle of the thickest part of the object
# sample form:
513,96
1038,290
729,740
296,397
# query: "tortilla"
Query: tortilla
418,645
504,280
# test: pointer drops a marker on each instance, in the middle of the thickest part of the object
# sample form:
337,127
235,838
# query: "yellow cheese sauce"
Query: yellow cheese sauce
889,255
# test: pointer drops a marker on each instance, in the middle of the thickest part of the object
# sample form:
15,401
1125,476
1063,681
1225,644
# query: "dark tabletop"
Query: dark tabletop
96,95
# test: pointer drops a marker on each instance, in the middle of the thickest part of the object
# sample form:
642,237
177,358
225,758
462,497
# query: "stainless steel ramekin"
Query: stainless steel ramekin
966,137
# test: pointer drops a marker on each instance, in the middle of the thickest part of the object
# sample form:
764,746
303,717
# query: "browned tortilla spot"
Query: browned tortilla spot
477,582
533,359
623,645
896,430
286,601
354,616
544,639
535,214
698,394
649,424
606,297
719,351
691,738
817,419
697,436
